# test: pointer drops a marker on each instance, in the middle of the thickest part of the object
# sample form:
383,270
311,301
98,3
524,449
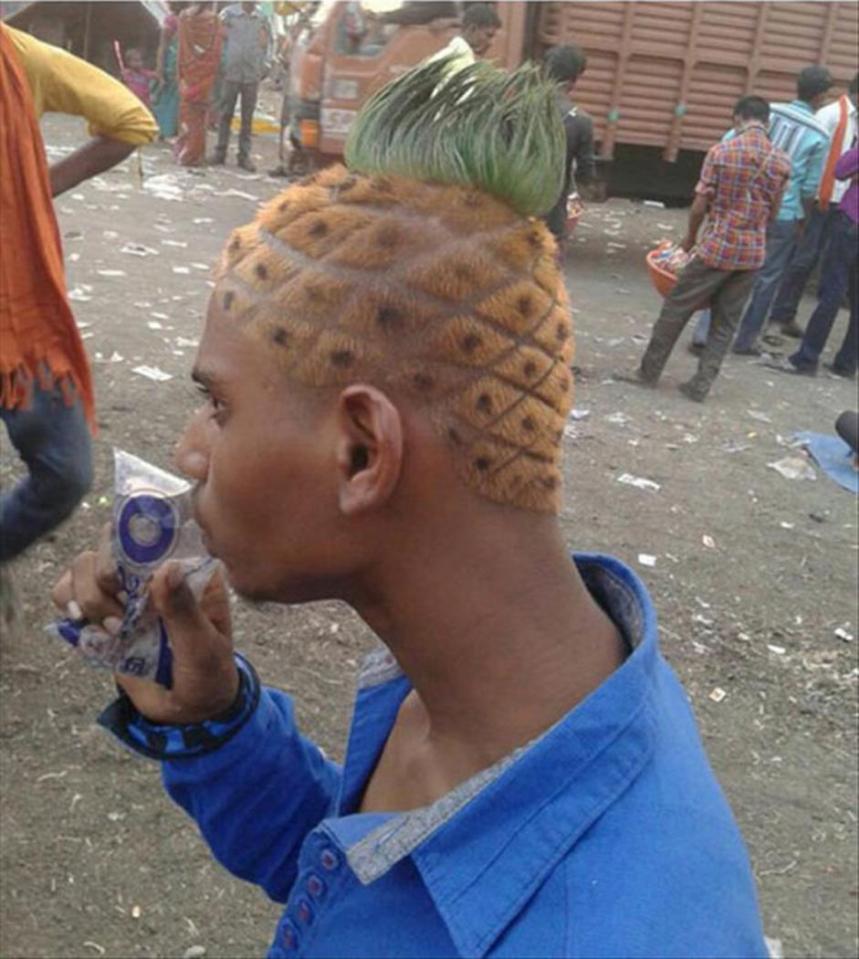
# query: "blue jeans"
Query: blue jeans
838,276
54,442
815,238
781,240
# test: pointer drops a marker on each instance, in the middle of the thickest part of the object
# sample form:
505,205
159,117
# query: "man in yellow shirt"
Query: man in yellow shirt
46,396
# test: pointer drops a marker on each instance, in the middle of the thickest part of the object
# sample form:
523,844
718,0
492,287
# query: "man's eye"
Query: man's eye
216,405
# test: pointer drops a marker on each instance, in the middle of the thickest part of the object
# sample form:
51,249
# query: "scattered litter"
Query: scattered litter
718,694
619,419
110,235
89,944
708,541
646,559
159,316
153,373
73,257
702,603
116,816
794,468
165,187
138,249
202,266
656,204
239,193
194,952
703,620
203,219
785,525
181,269
111,273
665,226
732,446
639,482
155,325
136,912
774,948
188,344
77,295
580,414
760,417
841,633
180,243
778,650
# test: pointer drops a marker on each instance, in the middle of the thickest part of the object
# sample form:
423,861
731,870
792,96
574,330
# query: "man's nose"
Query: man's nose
191,456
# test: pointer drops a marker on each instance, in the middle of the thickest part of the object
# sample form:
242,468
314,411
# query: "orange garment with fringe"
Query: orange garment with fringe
39,340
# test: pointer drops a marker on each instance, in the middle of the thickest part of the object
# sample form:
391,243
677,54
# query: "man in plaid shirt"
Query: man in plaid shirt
740,192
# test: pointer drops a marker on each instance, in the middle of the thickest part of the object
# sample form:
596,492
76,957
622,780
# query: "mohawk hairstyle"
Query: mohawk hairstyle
416,271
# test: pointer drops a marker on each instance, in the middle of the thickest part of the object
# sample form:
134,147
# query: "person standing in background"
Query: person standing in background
199,55
838,276
839,121
136,77
794,129
246,62
165,104
46,392
565,65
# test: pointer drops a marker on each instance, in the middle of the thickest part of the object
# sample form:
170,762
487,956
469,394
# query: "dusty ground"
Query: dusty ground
95,861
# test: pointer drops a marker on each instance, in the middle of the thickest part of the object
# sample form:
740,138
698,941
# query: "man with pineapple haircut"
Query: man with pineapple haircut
386,358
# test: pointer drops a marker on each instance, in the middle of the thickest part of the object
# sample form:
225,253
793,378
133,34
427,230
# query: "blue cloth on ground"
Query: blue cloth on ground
834,457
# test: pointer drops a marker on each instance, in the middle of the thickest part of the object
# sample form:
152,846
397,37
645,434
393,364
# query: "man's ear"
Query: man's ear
369,449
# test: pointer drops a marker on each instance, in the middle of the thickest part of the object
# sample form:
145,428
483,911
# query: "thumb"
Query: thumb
192,635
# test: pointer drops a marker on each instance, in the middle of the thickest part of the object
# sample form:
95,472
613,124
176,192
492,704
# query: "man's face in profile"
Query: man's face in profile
480,38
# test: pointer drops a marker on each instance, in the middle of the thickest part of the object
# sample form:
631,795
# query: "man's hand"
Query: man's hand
205,678
100,154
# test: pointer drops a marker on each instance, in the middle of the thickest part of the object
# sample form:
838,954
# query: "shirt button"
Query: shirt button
289,935
304,912
315,886
329,859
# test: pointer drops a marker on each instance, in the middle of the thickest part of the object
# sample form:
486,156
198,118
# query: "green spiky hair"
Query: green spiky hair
481,127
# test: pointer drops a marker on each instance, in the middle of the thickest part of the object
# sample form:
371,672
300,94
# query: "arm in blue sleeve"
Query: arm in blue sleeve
253,784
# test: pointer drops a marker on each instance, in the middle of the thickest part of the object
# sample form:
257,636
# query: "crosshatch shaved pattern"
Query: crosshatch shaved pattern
439,292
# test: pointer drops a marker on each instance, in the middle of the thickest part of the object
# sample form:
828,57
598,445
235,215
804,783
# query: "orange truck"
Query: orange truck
660,83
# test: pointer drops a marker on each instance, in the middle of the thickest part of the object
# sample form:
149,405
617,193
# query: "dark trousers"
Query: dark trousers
727,292
812,245
838,276
229,96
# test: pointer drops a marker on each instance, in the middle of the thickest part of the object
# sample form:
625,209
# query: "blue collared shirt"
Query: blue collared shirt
795,129
607,836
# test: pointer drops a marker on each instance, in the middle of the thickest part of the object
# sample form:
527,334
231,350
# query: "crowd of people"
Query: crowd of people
524,775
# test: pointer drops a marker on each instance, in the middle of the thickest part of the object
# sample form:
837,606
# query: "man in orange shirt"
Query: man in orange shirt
46,395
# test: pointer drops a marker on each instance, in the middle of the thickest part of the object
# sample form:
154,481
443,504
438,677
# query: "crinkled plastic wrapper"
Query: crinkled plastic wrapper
152,523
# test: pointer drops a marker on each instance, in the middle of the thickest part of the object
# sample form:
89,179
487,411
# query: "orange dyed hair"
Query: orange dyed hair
440,292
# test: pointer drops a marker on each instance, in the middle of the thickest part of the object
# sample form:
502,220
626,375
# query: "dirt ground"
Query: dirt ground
753,575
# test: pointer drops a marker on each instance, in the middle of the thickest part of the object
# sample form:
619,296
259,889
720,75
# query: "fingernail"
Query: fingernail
112,625
73,611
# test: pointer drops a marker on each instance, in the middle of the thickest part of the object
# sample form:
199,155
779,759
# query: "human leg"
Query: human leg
808,251
838,265
847,357
694,287
229,95
53,440
249,102
781,239
726,309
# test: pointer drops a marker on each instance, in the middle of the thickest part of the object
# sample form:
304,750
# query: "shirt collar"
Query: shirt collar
508,827
802,105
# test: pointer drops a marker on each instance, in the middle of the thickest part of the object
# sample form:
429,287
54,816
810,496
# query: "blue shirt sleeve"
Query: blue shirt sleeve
253,784
814,164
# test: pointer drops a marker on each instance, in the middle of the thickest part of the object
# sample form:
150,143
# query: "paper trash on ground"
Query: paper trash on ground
646,559
153,373
794,468
639,482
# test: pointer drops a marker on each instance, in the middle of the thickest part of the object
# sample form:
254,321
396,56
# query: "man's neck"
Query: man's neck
499,637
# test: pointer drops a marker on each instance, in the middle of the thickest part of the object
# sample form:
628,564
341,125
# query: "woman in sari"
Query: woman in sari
165,103
199,56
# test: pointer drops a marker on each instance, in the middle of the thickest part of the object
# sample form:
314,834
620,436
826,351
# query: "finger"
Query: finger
93,602
61,594
106,572
150,699
192,635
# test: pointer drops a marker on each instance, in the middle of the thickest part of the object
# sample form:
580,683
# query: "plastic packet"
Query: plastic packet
152,523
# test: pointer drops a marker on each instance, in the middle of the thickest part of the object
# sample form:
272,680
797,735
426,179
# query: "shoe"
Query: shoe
692,392
246,165
696,349
788,366
753,350
633,376
792,329
840,371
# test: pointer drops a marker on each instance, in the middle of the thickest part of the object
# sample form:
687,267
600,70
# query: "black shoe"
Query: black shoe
792,329
693,392
633,376
840,371
696,349
245,164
